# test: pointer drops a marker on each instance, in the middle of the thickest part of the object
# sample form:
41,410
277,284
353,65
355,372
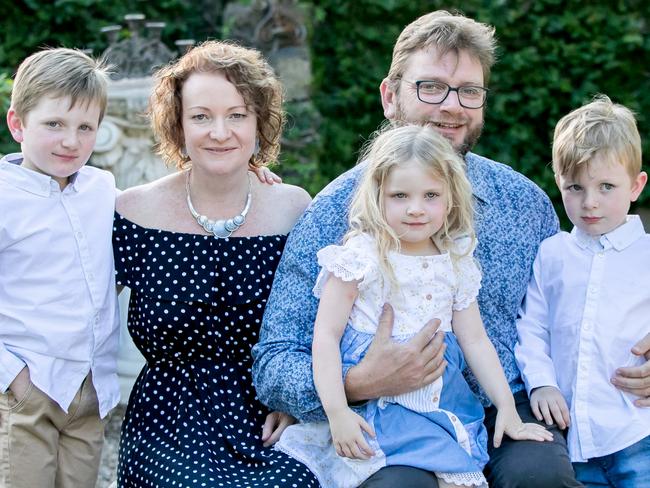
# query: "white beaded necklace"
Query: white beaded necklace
221,229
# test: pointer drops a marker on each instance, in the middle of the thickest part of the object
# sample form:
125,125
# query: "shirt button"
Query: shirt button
586,326
425,265
600,254
429,297
80,235
436,398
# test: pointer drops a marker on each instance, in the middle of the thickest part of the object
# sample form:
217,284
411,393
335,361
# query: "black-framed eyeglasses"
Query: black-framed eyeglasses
435,92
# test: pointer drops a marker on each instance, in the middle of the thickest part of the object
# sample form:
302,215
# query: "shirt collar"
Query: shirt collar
31,181
480,186
618,239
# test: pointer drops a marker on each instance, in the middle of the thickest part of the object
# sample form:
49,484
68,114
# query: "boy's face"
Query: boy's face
56,140
597,199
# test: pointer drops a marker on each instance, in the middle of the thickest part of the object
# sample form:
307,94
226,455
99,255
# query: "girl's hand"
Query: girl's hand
548,404
347,436
274,425
509,422
265,175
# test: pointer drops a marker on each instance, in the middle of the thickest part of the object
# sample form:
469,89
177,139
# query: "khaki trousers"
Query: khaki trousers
41,446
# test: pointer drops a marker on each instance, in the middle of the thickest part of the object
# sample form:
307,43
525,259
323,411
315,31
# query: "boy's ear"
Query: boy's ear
15,125
638,184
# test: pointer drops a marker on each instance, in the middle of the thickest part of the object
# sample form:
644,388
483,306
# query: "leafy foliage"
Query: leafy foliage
554,56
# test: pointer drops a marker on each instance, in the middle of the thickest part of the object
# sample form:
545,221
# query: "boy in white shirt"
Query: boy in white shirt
58,308
588,302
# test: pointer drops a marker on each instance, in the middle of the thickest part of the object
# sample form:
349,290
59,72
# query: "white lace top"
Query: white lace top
429,286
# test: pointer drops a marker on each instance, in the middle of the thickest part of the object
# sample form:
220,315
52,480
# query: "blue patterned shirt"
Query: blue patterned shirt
512,217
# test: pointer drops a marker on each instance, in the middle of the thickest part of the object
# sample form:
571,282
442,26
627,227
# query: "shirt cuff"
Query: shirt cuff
538,380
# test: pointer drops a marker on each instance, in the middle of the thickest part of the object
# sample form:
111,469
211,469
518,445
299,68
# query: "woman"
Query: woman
199,249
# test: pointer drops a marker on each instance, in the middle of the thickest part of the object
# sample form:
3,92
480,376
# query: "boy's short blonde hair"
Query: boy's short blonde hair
602,128
56,73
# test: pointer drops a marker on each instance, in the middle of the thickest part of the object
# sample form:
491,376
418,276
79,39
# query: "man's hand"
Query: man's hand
390,368
274,425
20,384
548,405
636,379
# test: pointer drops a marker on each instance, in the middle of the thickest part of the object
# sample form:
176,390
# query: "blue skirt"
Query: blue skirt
438,428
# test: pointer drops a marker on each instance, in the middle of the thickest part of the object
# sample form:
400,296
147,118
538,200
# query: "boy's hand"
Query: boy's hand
265,175
347,435
549,405
509,422
274,425
20,384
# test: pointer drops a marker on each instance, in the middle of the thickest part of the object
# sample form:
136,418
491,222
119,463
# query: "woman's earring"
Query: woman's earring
256,150
183,152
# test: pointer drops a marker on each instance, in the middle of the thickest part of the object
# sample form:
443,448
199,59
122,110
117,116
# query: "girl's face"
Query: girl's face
219,129
415,207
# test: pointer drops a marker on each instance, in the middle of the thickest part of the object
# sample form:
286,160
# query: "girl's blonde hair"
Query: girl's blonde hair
397,145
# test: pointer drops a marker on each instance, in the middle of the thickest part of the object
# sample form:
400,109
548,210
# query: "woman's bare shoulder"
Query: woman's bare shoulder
143,204
284,204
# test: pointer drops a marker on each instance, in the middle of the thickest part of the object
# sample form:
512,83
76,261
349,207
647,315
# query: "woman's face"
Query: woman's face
219,129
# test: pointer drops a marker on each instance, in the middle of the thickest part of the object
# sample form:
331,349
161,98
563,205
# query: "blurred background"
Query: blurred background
554,55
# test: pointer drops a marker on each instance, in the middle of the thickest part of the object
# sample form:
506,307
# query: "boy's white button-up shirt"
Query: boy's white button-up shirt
587,305
58,307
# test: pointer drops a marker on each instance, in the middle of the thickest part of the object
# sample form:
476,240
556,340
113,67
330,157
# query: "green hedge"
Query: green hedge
554,55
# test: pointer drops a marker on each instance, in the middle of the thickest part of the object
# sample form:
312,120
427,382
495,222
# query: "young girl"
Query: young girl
410,244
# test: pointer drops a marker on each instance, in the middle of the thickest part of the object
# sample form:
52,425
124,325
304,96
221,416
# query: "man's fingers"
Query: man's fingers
642,402
426,335
435,374
385,326
642,348
633,372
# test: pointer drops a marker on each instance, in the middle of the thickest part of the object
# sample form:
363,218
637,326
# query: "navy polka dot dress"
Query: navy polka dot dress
193,419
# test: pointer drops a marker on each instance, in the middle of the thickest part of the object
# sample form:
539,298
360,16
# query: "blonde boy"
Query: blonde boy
588,302
58,312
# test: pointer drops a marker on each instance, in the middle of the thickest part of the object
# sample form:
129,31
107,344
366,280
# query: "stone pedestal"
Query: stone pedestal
125,147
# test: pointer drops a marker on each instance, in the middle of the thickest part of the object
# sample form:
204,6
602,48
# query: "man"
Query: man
512,217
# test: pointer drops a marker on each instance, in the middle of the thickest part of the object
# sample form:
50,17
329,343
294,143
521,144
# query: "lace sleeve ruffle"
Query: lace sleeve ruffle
468,275
350,262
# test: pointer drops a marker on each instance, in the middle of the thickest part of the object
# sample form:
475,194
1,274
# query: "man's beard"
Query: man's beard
470,140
